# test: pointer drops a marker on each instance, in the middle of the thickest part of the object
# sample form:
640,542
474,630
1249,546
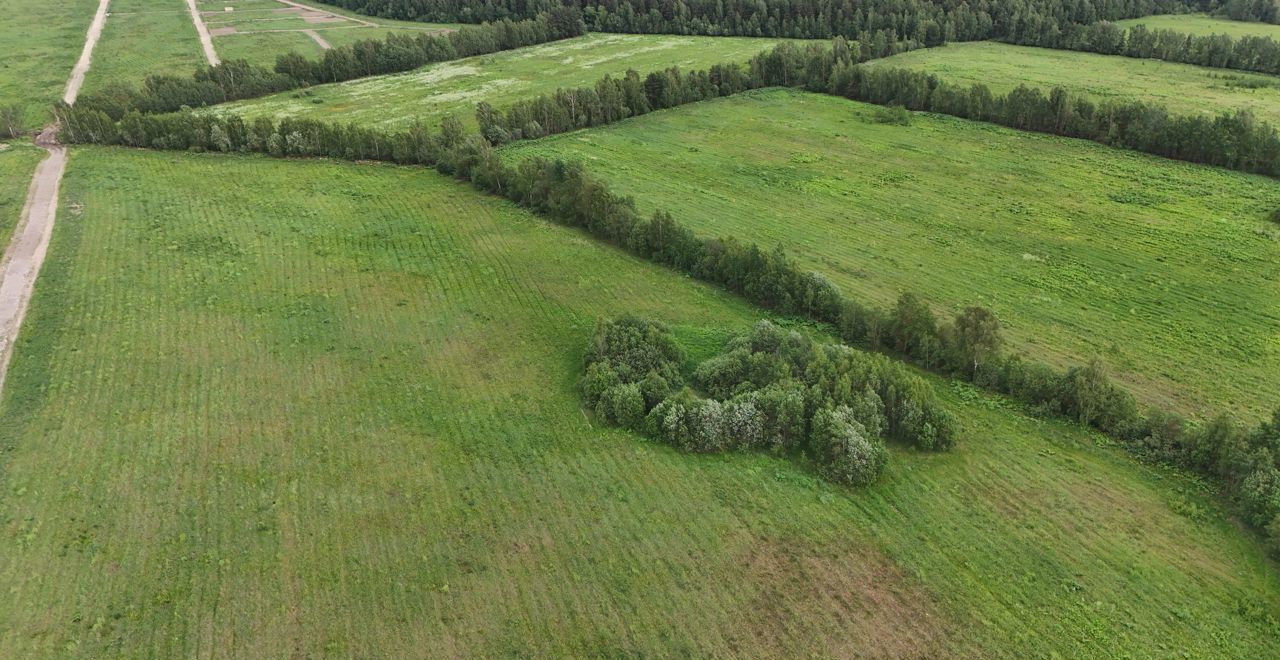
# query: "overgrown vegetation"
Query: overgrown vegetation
769,390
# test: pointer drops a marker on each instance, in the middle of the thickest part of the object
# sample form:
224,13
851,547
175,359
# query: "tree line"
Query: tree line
1247,53
927,22
768,390
238,79
1235,140
968,346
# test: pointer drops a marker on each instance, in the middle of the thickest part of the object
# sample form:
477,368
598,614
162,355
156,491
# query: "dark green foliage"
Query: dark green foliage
1250,53
844,449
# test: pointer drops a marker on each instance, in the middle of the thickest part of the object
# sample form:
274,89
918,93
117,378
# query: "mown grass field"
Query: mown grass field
142,38
1167,270
266,408
18,160
1204,24
1183,88
39,45
434,91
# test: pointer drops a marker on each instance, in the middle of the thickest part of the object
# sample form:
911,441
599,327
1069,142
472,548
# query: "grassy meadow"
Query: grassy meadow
18,160
1168,271
1183,88
432,92
142,38
266,408
39,45
1204,24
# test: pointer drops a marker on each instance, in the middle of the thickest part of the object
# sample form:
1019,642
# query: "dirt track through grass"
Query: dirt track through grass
206,41
86,55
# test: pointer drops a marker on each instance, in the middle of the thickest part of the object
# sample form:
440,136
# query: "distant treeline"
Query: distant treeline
1234,140
968,346
929,23
769,390
238,79
1248,53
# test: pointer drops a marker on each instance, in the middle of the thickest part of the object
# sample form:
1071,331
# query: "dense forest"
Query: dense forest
929,23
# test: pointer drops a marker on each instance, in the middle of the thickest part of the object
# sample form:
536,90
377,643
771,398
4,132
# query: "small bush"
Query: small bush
893,114
843,450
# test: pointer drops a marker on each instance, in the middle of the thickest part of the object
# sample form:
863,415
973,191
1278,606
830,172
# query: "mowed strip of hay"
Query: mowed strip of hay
39,45
266,408
1202,24
1184,89
435,91
1168,271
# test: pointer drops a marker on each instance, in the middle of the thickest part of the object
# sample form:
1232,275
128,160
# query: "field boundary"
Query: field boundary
86,55
206,41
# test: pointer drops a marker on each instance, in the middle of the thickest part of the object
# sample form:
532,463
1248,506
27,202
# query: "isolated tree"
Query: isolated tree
11,120
976,335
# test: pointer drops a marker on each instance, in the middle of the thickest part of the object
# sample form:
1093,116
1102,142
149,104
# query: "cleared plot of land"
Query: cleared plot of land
39,44
142,38
1203,24
331,409
1183,88
17,162
432,92
1169,271
261,30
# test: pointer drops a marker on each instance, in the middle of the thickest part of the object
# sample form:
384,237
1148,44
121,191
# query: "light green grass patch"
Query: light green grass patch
143,38
266,408
18,160
263,48
1169,271
432,92
39,45
1202,24
1183,88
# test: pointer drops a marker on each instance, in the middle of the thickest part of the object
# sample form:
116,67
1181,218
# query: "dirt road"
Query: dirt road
205,40
86,55
315,36
21,262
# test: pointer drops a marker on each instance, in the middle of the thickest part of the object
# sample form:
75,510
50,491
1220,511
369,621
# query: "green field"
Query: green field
1203,24
1169,271
18,160
39,45
432,92
142,38
1183,88
266,408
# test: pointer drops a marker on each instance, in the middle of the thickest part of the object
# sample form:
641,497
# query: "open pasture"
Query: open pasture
1202,24
142,38
1166,270
268,408
39,45
432,92
1183,88
261,30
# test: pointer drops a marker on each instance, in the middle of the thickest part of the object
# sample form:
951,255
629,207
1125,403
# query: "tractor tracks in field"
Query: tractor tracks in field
22,259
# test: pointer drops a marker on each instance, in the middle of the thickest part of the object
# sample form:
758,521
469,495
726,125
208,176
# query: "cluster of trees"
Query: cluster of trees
769,390
238,79
968,346
1248,53
925,21
1258,11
